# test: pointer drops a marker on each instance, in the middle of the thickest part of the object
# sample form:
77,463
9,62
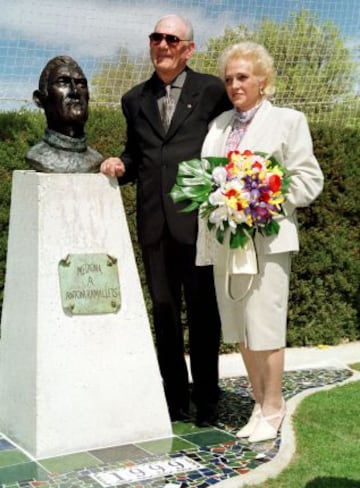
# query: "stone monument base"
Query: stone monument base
72,382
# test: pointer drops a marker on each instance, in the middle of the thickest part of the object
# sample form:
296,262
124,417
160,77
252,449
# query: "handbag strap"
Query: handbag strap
228,291
228,279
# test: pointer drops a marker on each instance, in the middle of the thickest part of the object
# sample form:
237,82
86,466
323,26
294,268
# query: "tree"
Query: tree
315,70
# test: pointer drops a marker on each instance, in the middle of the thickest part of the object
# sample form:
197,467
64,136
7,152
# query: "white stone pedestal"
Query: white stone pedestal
73,382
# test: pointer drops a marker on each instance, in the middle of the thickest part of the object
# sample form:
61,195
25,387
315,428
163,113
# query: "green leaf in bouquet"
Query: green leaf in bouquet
196,180
215,162
187,167
190,192
239,238
220,235
177,194
271,228
201,193
194,167
285,184
197,194
205,211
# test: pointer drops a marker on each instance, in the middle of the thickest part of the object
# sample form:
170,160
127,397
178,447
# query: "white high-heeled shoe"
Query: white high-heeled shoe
247,430
268,427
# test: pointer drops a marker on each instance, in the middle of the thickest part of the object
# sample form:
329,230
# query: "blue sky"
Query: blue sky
33,31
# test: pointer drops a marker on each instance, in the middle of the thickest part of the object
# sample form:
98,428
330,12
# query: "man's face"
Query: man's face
67,100
169,59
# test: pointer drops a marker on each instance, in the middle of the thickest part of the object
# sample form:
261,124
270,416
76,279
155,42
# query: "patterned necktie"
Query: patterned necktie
168,108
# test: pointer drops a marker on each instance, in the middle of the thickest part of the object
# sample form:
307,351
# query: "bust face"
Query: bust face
67,99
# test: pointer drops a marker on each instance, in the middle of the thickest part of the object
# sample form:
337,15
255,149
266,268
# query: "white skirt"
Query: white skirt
259,319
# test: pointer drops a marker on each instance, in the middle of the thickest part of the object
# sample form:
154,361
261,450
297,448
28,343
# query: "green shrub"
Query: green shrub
324,291
324,294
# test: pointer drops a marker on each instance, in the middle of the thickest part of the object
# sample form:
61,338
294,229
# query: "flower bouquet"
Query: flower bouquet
243,192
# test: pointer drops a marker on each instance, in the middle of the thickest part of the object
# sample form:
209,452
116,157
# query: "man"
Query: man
63,94
167,236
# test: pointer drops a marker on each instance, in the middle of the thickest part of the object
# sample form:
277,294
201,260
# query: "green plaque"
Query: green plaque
89,284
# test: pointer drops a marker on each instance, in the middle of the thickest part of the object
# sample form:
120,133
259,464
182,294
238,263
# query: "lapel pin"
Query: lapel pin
189,105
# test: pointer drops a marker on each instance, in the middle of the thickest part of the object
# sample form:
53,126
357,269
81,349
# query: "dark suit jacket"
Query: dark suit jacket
152,156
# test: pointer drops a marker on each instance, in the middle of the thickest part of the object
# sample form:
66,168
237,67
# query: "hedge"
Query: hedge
324,298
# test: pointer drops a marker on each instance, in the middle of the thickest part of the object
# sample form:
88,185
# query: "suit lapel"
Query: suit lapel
148,104
215,141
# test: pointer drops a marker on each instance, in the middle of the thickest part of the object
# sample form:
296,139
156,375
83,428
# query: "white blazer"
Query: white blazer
283,133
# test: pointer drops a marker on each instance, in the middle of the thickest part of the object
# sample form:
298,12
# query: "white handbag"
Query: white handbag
240,261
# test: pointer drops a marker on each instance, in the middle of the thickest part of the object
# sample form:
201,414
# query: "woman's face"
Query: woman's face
242,86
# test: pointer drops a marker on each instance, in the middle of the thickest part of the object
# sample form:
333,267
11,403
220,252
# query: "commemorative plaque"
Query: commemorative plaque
89,284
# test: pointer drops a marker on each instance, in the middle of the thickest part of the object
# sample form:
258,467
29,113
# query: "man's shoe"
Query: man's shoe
180,415
206,416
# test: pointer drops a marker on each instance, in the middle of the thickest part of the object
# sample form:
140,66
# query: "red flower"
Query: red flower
231,193
257,165
229,166
274,183
265,196
230,153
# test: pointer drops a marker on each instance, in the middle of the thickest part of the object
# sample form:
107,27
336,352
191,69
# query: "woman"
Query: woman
258,321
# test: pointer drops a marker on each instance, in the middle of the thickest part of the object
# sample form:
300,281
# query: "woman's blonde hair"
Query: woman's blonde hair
263,63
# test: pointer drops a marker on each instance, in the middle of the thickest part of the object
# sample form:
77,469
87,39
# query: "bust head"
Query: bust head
63,94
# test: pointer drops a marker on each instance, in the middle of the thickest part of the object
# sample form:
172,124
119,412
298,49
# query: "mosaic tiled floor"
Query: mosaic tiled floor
193,457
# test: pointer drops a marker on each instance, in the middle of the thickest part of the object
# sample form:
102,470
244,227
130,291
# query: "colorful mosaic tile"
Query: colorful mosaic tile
218,454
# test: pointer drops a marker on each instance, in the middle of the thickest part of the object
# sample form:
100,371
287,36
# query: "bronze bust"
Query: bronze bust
64,95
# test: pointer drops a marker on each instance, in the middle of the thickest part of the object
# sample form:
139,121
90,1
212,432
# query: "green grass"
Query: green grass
327,429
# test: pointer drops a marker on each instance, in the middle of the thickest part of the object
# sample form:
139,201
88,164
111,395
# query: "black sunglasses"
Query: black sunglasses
169,38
